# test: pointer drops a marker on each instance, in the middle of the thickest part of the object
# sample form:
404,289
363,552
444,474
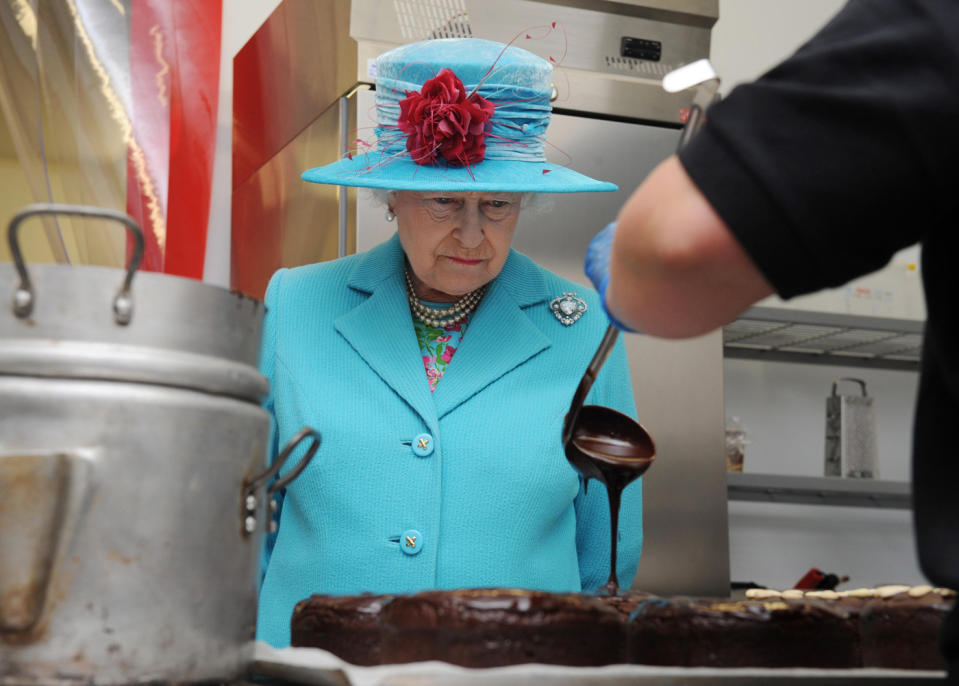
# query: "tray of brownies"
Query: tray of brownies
882,635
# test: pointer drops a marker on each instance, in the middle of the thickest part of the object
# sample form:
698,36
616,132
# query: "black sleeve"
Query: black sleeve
844,153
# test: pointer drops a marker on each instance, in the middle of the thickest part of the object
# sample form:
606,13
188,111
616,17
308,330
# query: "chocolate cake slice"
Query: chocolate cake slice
347,626
898,625
695,632
495,627
901,630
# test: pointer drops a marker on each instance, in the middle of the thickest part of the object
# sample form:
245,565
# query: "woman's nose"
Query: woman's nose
470,230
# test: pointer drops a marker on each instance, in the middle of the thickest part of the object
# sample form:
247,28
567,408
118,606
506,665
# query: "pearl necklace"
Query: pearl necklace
447,316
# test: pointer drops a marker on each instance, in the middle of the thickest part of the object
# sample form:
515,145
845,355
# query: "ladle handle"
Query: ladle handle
703,97
589,377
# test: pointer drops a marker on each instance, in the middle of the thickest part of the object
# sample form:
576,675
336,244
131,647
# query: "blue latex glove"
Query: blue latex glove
597,268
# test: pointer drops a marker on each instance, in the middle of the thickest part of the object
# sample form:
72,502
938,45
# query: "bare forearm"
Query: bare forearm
676,269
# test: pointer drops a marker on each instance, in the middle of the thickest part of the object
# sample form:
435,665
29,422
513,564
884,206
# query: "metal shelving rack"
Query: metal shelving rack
785,335
824,490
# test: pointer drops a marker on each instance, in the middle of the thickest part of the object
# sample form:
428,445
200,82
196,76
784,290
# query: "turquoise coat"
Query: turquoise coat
467,486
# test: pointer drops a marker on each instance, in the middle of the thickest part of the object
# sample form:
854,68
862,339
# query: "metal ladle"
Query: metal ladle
600,442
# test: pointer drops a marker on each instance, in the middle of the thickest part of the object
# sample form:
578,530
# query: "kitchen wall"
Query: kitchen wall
753,35
783,405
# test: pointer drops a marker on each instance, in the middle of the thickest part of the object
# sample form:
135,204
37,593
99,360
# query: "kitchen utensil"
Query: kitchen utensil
600,442
850,434
132,471
614,449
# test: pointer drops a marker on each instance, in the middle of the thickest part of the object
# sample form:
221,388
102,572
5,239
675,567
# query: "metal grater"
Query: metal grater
851,434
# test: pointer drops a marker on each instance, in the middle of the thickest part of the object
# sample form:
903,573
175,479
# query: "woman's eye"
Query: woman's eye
498,203
443,201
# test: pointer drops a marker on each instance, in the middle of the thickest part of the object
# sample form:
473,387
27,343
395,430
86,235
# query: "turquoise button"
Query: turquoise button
411,542
423,445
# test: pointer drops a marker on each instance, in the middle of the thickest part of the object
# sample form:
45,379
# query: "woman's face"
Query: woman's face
455,241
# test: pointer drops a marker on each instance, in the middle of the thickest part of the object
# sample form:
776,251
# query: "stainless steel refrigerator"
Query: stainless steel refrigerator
612,120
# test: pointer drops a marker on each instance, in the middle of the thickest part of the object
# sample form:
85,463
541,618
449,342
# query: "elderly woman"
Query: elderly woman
439,365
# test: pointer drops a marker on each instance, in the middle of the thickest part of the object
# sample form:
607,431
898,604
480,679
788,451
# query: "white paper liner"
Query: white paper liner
321,668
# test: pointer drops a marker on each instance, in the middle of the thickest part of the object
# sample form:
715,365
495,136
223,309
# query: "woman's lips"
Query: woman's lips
462,260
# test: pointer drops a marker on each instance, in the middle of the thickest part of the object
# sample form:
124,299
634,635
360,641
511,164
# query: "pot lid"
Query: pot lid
106,323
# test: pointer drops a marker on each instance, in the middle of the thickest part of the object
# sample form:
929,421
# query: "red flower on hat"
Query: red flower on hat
441,121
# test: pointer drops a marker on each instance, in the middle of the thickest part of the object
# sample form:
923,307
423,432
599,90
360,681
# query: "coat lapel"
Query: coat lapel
500,336
380,329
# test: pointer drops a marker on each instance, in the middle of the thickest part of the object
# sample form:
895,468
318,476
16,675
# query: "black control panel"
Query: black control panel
641,48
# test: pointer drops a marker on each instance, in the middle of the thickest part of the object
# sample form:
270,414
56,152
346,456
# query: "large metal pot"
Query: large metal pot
132,455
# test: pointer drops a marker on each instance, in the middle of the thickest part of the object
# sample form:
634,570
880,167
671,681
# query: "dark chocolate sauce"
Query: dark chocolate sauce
613,448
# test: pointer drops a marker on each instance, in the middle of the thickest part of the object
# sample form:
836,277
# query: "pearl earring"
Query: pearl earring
390,215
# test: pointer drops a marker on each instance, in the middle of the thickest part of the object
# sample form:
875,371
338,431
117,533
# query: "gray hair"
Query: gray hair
532,202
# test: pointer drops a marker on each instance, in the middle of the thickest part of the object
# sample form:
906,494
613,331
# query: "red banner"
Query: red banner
174,77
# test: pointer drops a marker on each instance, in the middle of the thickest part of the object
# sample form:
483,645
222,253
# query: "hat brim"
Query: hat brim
371,170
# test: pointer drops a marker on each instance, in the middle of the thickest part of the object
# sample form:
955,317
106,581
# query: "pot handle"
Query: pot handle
252,484
23,299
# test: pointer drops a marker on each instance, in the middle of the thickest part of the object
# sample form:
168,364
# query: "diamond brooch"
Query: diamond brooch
567,308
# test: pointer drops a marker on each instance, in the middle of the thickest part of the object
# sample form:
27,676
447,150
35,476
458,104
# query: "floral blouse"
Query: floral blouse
437,346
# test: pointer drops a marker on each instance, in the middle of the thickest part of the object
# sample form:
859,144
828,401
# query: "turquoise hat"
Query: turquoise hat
459,114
